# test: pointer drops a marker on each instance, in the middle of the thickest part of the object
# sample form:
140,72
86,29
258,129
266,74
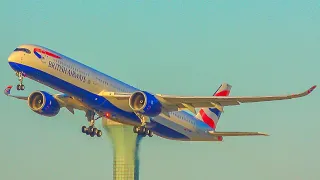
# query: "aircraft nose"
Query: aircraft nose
10,58
13,62
14,57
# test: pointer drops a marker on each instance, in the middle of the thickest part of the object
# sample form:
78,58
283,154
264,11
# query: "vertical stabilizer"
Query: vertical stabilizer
211,116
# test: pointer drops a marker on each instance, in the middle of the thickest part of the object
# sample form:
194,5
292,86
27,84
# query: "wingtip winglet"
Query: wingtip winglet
7,90
261,134
311,89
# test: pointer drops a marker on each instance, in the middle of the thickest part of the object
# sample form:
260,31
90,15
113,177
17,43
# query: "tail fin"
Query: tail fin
211,116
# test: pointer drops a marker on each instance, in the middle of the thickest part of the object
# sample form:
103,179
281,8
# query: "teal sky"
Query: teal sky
172,47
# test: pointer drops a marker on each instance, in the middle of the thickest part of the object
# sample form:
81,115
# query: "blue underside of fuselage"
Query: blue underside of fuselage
168,133
93,100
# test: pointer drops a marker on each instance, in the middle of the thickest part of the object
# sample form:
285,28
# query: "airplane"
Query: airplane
102,96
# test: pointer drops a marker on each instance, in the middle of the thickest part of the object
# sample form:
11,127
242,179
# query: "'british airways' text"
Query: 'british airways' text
66,71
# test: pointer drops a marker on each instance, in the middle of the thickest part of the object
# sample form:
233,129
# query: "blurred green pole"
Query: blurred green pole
125,150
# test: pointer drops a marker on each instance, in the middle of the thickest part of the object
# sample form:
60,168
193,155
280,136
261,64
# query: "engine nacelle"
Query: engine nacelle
145,103
43,103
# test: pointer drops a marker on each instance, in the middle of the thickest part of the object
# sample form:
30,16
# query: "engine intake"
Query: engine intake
43,103
145,103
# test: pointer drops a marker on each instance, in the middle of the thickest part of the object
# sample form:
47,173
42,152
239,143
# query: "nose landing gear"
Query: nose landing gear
20,86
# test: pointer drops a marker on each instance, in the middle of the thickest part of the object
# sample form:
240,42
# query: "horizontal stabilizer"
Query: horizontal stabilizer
214,133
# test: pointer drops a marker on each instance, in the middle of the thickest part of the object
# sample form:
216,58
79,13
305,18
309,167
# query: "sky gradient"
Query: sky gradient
172,47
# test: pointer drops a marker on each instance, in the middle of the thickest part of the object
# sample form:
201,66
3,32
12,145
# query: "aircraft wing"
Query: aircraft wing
63,99
201,101
175,103
215,133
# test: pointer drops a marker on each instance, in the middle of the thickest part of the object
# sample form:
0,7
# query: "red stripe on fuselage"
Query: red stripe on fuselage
46,52
223,93
207,119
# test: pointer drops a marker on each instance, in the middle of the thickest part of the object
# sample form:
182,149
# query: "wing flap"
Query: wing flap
115,95
70,103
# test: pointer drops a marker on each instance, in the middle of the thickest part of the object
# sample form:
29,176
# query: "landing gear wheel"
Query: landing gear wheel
99,133
135,129
95,130
18,87
149,133
87,131
90,129
22,87
92,134
142,130
84,129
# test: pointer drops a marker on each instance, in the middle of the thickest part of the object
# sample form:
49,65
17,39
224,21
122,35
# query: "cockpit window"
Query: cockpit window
23,49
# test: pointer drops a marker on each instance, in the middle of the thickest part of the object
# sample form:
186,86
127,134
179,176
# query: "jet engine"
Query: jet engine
43,103
145,103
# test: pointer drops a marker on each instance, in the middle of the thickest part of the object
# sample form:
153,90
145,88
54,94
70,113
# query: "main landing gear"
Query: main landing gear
20,86
142,130
91,130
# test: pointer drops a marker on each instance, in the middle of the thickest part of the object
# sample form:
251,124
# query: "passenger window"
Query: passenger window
23,50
